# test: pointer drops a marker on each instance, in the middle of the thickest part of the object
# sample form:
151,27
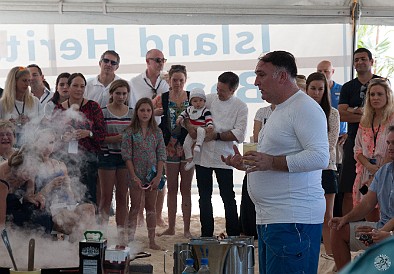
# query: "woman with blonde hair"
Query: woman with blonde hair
17,103
62,201
370,150
24,207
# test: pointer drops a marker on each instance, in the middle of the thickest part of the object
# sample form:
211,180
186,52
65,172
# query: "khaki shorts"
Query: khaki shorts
355,243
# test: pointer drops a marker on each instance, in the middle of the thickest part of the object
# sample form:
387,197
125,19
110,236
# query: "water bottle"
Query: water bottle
189,266
204,266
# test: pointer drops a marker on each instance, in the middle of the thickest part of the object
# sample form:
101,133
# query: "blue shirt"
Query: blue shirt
335,92
383,185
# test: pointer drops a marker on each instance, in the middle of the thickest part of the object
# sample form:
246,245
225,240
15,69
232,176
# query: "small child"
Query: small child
199,116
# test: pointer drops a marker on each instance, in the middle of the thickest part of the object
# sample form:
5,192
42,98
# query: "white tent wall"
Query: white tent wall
206,50
193,12
207,36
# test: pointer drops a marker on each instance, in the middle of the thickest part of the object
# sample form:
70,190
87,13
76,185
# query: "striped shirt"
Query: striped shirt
115,125
198,117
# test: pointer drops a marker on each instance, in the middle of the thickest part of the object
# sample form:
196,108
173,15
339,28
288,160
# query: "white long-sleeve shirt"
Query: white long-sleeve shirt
297,129
226,115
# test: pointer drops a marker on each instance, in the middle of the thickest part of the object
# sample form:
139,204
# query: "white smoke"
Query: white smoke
50,253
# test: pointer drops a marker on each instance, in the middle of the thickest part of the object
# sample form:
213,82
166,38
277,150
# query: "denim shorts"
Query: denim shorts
111,161
289,248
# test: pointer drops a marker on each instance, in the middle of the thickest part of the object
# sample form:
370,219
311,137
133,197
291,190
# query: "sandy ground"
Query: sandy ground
62,253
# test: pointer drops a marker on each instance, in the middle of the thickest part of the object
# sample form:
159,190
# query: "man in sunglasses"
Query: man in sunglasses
97,88
149,83
350,107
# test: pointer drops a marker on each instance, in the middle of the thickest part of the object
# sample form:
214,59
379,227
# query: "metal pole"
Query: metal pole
356,15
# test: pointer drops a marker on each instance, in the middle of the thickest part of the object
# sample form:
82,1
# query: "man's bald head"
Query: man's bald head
327,69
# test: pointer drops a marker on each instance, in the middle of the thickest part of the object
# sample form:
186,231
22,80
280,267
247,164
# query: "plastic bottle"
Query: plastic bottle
189,266
204,266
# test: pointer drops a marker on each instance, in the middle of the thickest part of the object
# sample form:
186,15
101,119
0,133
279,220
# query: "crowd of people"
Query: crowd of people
65,153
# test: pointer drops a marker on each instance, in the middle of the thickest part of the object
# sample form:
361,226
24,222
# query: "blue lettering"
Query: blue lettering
226,39
71,45
201,44
247,87
265,38
51,48
248,39
195,85
185,44
31,47
109,41
158,43
13,43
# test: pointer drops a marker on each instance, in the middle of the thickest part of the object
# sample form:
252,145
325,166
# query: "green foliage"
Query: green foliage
372,38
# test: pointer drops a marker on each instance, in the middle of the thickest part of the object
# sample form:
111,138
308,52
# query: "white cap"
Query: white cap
199,93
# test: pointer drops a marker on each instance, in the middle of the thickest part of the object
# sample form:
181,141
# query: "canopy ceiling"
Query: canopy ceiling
172,12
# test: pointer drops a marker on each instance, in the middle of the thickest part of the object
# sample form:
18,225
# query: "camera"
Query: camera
363,190
145,186
372,161
367,238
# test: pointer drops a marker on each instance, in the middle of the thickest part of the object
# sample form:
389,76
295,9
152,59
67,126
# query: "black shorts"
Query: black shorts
348,171
111,161
329,182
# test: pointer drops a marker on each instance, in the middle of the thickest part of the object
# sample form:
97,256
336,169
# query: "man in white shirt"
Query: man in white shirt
230,116
149,83
37,86
284,182
97,88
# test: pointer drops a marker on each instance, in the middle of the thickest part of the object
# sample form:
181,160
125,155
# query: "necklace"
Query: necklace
23,108
175,95
80,106
154,90
375,134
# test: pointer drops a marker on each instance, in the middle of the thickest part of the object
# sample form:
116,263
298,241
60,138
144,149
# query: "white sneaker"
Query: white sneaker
197,148
189,165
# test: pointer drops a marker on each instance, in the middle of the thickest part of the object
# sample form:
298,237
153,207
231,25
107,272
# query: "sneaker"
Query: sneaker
197,148
189,165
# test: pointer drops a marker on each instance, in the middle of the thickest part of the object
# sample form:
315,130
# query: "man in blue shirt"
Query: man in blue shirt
345,229
328,70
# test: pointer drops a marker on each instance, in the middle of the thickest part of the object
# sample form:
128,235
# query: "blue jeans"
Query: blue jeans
289,248
226,187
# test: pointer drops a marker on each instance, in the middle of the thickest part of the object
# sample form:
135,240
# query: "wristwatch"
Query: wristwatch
218,136
90,134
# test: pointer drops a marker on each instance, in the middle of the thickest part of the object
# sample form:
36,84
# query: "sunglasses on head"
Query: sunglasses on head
158,60
380,80
113,63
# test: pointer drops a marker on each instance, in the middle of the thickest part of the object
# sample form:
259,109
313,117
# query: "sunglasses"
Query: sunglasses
363,91
113,63
158,60
380,80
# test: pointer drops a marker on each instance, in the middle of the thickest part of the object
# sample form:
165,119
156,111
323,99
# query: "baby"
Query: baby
200,117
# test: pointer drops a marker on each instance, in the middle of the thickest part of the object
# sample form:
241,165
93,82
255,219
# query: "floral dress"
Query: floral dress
174,148
365,145
143,152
